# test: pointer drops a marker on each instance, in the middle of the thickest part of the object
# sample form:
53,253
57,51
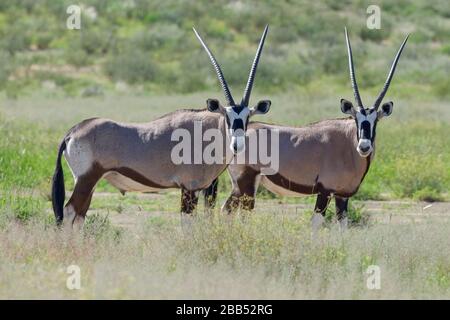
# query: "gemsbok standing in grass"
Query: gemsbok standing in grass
327,158
138,157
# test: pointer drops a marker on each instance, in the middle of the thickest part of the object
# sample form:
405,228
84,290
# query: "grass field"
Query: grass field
133,246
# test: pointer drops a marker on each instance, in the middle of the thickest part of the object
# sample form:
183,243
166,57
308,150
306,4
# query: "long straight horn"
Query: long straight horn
390,75
352,72
251,76
222,80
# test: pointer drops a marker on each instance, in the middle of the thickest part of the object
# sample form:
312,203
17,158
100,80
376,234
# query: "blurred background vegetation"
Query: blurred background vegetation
148,46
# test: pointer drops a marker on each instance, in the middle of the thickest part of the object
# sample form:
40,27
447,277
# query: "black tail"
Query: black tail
210,194
58,191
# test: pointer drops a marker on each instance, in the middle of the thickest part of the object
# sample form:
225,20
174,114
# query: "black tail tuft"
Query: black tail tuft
210,194
58,190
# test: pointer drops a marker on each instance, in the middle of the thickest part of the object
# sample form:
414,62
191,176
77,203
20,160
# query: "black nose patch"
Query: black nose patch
365,127
238,124
365,149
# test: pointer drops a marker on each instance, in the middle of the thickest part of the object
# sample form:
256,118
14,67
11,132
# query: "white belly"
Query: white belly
126,184
272,187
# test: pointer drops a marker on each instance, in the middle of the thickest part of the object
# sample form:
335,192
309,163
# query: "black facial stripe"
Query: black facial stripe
357,129
237,124
374,130
237,109
365,127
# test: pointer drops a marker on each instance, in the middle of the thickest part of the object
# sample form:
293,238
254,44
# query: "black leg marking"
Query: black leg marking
243,194
323,199
210,194
341,207
189,201
232,204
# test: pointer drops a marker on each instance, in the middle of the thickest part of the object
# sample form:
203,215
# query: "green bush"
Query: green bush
376,35
15,38
132,66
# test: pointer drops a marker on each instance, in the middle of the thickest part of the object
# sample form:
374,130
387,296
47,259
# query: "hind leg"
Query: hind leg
78,204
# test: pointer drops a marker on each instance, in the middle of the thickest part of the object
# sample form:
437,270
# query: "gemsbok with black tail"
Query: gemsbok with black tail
138,157
327,158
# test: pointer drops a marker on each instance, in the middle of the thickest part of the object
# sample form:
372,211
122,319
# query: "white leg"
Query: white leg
343,223
186,223
317,221
78,223
69,217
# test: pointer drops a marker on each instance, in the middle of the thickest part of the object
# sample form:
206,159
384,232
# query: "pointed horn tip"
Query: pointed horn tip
266,29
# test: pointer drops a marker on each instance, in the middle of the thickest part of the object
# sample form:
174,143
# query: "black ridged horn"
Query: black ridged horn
390,75
251,76
222,80
352,72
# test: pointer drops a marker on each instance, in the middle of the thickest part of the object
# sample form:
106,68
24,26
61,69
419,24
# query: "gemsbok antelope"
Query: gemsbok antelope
327,158
137,157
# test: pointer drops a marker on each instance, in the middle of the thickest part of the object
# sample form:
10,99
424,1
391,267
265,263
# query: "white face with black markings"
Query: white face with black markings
366,121
237,118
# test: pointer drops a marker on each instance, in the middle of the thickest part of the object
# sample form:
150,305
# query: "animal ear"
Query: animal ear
213,105
262,107
347,107
386,109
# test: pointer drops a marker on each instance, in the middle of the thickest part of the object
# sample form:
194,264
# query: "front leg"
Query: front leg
245,185
341,211
189,200
210,195
318,218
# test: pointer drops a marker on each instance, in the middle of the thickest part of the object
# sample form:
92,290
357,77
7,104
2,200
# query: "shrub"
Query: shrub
77,57
131,66
16,37
157,37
